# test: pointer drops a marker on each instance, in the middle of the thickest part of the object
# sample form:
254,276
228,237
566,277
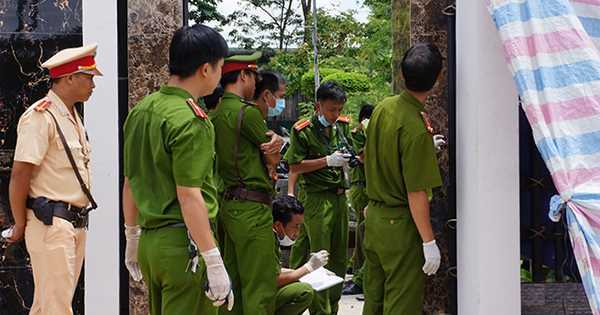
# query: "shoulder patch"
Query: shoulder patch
301,124
344,119
42,105
427,122
248,103
196,109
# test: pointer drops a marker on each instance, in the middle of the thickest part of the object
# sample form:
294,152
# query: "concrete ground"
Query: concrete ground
349,305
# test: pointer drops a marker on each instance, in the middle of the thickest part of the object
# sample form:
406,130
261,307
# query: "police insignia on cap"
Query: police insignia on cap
73,60
196,109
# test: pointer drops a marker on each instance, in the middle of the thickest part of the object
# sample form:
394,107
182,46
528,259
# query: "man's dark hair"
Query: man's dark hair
230,78
211,101
421,65
365,112
330,90
268,81
284,207
193,46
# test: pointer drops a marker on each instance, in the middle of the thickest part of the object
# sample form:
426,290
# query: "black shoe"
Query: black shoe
352,289
360,297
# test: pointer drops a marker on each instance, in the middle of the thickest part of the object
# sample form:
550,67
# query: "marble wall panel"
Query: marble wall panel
31,31
150,26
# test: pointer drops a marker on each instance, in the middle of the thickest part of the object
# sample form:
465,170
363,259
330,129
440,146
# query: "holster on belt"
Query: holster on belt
241,193
44,209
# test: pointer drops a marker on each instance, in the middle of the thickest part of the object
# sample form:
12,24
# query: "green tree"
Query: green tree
202,11
278,24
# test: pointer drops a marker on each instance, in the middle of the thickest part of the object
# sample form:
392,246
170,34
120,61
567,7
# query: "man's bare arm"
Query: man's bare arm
419,209
195,215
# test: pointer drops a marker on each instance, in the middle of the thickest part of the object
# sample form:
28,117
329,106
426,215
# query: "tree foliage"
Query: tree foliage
277,24
203,11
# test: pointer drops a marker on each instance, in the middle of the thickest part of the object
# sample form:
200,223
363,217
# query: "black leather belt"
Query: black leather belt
240,193
78,216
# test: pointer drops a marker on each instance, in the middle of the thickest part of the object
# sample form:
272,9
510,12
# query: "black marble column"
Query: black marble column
31,31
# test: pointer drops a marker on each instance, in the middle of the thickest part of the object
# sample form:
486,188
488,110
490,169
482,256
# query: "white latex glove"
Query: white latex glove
219,286
317,260
433,258
6,234
132,235
337,159
438,142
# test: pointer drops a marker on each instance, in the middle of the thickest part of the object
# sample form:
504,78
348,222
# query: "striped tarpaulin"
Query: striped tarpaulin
551,48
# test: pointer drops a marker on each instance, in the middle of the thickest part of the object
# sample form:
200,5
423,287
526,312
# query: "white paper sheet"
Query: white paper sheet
321,279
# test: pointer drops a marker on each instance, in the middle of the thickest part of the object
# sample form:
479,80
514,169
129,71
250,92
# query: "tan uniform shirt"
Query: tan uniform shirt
38,143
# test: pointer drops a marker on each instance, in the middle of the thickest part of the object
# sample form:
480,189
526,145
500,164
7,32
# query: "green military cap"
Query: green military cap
241,61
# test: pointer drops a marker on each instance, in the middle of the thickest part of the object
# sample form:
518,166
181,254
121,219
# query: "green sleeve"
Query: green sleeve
297,150
191,161
419,163
254,126
358,140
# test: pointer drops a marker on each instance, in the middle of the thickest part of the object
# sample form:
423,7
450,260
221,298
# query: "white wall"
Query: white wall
101,119
487,169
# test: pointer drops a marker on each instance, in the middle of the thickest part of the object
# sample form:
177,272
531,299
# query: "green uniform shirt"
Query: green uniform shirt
166,146
311,142
359,139
399,155
253,134
277,251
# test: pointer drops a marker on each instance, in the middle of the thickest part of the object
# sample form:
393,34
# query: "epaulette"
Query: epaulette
196,109
344,119
42,105
301,124
427,123
248,103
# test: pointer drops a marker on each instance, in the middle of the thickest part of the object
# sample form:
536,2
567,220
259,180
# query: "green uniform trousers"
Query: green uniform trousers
249,256
293,299
325,227
163,258
358,200
394,283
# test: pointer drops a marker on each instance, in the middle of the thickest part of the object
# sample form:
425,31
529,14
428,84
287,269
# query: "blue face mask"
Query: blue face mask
324,121
278,109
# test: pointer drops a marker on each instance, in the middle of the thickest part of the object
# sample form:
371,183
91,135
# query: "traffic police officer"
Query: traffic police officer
315,156
247,153
169,162
401,169
49,187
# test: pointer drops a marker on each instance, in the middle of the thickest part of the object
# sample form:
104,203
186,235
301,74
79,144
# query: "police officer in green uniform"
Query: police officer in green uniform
401,169
169,194
293,297
246,154
359,200
315,155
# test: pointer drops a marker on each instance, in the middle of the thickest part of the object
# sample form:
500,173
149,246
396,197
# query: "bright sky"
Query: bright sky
228,6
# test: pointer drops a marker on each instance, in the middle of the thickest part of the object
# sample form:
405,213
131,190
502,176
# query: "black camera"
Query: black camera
353,160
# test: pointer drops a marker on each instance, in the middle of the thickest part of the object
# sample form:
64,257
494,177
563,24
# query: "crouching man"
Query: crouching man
293,297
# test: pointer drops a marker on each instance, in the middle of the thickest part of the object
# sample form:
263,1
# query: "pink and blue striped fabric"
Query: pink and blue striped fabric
552,50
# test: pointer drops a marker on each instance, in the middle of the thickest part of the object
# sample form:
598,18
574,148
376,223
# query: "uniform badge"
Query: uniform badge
427,122
42,105
301,124
196,109
344,119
